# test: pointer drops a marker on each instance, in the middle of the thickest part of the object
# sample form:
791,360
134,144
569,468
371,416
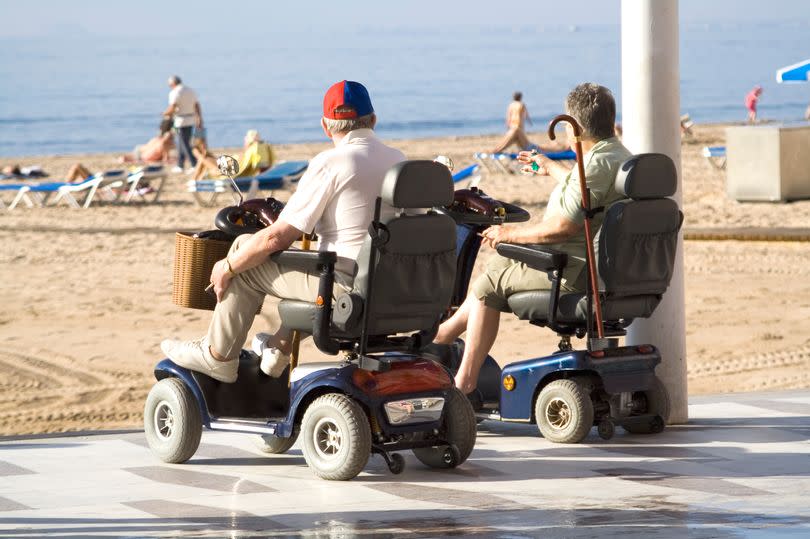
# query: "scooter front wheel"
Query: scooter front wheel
335,437
459,428
172,421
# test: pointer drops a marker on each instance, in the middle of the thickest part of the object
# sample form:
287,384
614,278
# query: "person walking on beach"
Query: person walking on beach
516,117
184,107
751,99
335,198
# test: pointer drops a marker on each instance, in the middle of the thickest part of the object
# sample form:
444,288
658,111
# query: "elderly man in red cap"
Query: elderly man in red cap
335,199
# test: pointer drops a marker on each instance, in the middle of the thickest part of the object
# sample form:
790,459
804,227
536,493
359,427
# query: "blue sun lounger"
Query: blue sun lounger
206,191
471,173
506,162
716,156
114,185
32,195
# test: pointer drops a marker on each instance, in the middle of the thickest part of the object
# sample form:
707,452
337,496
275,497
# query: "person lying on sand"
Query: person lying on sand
156,150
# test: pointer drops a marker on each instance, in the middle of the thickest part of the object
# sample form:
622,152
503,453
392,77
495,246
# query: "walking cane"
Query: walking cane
586,206
295,341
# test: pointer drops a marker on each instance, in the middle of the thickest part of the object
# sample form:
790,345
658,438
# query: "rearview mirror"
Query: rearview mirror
228,165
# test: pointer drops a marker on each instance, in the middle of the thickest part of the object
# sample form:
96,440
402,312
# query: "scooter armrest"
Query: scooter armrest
310,261
539,257
322,263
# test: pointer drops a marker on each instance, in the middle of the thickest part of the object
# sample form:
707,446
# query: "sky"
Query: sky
65,18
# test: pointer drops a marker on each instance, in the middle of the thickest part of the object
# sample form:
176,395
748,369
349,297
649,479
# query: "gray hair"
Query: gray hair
594,108
344,126
174,79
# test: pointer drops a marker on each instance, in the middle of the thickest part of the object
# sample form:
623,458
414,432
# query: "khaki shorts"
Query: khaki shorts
504,277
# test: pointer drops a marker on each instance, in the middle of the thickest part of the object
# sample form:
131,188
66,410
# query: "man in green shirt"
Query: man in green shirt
562,228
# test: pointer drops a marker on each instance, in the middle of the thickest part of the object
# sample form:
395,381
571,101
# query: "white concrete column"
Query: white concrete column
650,96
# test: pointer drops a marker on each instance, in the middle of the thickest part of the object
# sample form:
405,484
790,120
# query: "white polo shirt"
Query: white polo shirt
184,99
336,195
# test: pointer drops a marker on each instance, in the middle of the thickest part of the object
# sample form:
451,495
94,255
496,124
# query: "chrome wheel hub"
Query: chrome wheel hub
558,413
328,438
164,420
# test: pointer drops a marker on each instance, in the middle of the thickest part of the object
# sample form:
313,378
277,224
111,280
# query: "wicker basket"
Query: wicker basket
194,258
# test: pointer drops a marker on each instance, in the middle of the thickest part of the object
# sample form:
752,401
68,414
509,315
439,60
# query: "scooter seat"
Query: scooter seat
573,306
533,305
300,316
297,315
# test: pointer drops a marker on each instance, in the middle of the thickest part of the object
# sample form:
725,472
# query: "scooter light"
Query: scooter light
509,382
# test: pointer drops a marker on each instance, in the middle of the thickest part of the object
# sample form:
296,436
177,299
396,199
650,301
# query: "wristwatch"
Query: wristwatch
228,267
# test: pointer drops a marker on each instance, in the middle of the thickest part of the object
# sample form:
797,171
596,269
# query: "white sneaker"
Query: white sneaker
273,361
177,170
195,356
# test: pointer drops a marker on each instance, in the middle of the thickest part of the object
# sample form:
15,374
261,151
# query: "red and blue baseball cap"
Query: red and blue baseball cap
345,100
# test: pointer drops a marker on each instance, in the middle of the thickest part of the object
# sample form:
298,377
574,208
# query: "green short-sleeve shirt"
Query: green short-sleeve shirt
601,166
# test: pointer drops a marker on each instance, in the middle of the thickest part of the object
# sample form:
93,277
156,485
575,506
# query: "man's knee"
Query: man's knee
237,243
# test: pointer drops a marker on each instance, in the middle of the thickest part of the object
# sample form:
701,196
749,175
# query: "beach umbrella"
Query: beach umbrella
799,72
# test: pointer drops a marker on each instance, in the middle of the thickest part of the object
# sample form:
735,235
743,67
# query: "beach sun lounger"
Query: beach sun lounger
113,185
507,163
716,155
471,173
32,195
146,183
206,191
109,185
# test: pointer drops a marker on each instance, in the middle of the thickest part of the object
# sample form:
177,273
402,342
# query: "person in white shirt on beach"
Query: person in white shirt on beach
184,108
335,199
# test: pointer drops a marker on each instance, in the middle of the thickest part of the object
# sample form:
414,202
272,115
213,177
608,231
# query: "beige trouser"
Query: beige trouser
234,315
505,276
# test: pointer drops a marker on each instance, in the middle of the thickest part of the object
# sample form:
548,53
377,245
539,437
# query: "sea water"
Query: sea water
104,94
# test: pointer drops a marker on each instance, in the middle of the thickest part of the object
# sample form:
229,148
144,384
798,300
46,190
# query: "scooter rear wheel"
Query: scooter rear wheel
657,404
273,445
564,412
335,437
172,421
459,426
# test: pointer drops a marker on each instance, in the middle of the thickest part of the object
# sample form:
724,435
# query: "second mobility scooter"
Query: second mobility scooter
381,396
568,392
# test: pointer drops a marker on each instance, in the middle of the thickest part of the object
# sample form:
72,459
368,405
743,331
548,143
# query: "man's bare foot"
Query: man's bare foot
464,384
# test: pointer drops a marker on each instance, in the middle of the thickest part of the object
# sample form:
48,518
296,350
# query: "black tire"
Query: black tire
335,437
564,412
657,404
172,421
459,427
273,445
397,464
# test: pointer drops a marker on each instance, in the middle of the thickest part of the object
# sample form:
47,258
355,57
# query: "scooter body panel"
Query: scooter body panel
256,403
622,369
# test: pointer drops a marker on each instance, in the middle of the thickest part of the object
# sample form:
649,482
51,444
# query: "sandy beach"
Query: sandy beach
87,293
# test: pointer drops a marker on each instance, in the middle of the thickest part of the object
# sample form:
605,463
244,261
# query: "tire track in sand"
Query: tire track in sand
49,395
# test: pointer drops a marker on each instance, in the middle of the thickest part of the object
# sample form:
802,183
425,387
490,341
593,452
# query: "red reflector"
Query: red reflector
644,349
597,353
404,377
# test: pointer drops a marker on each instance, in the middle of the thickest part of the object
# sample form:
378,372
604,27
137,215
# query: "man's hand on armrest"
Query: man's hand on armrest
251,253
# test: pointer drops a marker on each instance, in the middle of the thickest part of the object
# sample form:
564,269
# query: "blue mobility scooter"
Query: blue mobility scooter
568,392
381,396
